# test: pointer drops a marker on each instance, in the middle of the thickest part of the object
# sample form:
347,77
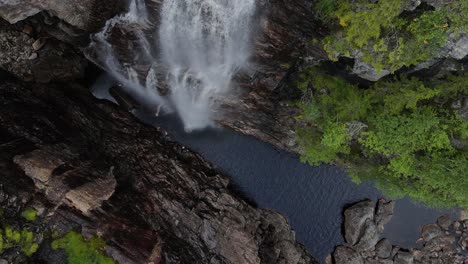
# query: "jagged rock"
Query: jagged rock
90,196
346,255
444,222
383,248
355,218
403,257
384,213
39,164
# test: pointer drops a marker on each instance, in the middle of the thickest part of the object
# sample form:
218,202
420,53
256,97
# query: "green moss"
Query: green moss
80,251
406,146
23,239
29,214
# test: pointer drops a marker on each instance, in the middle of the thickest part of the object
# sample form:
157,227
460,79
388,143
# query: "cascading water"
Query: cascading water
202,45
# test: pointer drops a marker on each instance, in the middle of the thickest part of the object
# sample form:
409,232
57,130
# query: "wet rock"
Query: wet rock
430,232
383,248
355,218
444,222
346,255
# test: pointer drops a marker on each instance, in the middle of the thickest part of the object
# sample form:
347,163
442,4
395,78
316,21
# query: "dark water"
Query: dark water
311,198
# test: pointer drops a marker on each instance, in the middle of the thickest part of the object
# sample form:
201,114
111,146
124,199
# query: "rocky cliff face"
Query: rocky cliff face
94,167
283,33
86,165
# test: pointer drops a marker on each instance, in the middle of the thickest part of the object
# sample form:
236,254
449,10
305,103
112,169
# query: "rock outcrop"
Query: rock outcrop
444,242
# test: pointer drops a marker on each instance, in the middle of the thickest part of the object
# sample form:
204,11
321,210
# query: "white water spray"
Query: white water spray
202,45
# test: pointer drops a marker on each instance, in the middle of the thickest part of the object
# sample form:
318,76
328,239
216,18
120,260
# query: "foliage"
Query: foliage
406,147
386,37
23,239
80,251
29,214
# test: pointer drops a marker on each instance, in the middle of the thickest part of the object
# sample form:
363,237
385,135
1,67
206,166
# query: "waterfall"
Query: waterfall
204,43
201,45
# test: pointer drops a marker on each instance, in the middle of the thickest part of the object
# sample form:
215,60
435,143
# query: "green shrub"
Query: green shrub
406,148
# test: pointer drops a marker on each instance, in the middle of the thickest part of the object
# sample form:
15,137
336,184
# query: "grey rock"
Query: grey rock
355,218
368,72
346,255
403,257
369,238
383,248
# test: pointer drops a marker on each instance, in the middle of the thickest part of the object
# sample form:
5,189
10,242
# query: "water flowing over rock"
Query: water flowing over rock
195,50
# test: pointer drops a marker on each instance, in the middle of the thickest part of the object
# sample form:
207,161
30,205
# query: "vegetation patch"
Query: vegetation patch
385,35
24,239
80,251
398,133
29,214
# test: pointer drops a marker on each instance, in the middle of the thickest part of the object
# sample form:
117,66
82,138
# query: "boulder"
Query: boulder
346,255
355,218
